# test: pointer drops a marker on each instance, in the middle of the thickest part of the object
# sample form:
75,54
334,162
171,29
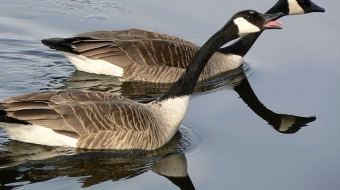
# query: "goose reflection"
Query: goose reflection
92,167
140,91
282,123
235,79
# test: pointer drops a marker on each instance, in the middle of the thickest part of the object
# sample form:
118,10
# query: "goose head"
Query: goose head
296,7
250,21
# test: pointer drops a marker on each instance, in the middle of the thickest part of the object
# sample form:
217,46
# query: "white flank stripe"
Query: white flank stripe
37,135
96,66
294,8
245,27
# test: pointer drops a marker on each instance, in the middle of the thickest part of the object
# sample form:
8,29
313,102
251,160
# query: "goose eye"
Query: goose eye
250,15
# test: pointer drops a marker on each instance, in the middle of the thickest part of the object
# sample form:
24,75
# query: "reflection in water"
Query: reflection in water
144,91
174,167
282,123
235,79
18,56
92,167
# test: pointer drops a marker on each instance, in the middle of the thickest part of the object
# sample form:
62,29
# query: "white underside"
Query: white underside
37,135
97,66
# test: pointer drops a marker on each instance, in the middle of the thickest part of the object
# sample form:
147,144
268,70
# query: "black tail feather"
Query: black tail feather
2,115
6,119
63,44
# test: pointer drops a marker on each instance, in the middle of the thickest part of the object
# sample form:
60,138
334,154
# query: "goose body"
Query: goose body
142,55
96,120
93,120
138,55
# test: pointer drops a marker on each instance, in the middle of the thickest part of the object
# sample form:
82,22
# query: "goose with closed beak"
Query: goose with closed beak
141,55
96,120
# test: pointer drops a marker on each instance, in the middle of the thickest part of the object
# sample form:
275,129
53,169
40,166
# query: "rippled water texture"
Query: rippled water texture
238,131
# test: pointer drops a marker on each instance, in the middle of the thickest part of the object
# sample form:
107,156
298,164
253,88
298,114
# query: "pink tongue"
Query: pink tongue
274,23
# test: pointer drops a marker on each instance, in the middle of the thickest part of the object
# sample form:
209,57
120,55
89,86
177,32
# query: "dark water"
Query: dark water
230,137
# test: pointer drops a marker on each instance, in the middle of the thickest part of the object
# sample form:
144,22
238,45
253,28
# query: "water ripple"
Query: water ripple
249,69
91,5
200,140
30,67
27,12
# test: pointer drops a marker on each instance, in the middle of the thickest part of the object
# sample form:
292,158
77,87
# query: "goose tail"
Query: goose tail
2,115
60,44
6,119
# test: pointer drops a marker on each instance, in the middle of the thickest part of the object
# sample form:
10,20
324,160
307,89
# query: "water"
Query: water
229,138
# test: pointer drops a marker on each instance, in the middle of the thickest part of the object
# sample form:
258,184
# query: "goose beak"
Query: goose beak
270,21
314,8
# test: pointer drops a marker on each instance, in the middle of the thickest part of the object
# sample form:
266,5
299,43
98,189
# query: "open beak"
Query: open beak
270,21
314,8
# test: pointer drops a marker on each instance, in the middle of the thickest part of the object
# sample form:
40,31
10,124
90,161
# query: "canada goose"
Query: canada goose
96,120
141,55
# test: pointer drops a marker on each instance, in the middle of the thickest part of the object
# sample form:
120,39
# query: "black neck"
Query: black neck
280,6
247,94
185,85
243,45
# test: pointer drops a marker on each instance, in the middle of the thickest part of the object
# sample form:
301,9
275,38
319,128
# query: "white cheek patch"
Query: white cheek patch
294,8
245,27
